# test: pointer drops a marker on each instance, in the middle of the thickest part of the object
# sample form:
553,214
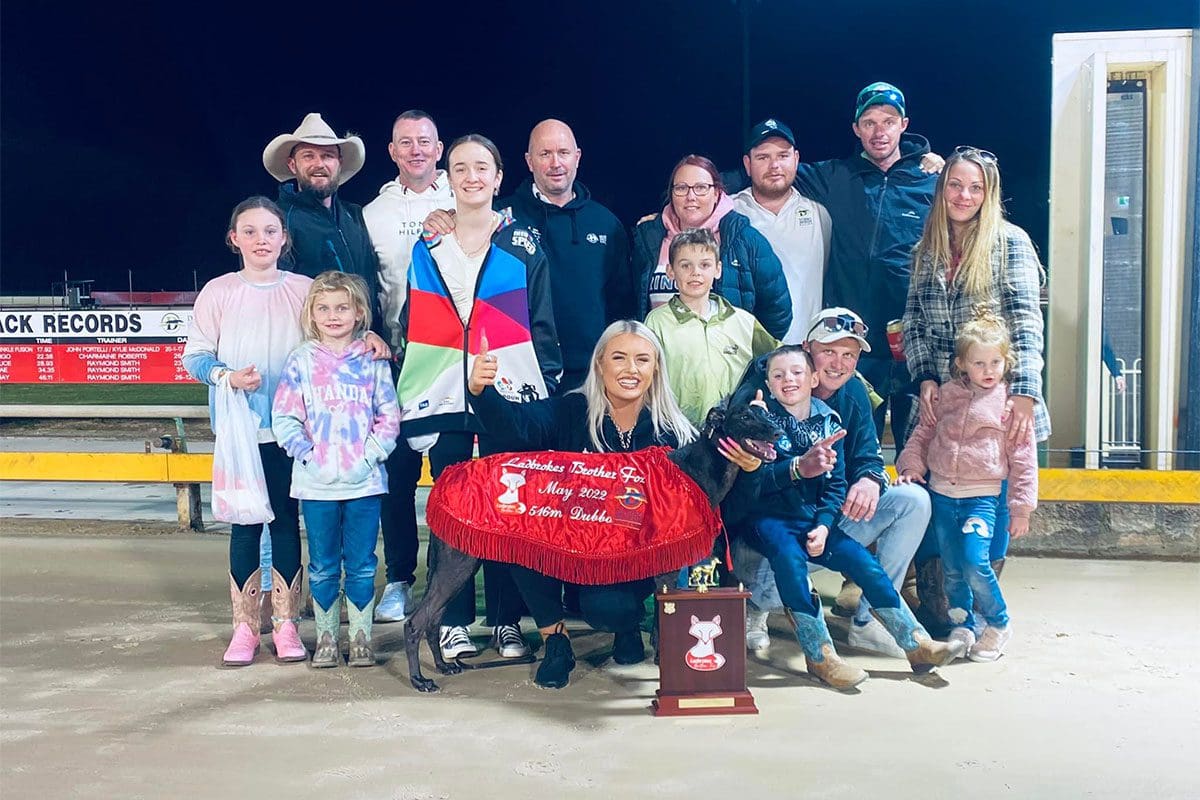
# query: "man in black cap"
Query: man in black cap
797,227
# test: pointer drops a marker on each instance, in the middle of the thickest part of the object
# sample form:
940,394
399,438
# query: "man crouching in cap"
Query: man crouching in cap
325,233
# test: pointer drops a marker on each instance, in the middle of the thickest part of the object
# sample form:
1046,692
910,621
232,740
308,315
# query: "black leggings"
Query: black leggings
614,607
285,528
503,601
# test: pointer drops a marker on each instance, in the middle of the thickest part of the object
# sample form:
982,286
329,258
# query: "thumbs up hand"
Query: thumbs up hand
483,371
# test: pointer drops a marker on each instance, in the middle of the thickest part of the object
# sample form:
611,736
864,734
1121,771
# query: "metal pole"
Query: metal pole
1189,433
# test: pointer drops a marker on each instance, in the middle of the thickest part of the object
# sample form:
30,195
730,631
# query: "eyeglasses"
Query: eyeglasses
982,155
698,189
840,323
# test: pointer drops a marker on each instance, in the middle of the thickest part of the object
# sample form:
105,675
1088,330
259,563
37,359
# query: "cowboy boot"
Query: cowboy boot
247,605
933,606
846,603
908,589
924,653
361,654
998,566
328,621
820,657
285,603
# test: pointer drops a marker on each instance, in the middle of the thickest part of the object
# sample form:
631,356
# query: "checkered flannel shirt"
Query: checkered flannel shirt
934,313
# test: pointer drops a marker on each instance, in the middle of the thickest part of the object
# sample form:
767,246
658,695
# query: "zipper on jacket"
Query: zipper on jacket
878,215
467,329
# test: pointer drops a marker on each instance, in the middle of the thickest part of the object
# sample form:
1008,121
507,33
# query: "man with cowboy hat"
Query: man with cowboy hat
325,232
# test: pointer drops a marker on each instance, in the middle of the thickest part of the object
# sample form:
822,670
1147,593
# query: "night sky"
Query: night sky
129,131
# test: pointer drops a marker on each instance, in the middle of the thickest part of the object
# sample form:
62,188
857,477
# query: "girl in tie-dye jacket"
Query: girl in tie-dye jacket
336,415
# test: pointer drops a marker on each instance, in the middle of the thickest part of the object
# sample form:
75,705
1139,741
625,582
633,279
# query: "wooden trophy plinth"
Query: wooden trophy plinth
702,653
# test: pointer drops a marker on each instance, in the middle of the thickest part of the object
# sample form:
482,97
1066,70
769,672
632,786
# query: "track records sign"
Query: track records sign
127,345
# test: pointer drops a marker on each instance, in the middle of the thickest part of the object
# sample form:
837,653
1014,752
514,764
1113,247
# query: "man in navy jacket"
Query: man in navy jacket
878,199
585,244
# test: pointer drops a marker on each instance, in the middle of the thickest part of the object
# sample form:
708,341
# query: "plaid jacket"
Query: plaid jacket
934,314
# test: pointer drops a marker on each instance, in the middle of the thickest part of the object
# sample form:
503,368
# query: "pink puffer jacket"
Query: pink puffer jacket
969,449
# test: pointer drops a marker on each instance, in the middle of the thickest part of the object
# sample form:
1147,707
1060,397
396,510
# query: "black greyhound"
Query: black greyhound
449,568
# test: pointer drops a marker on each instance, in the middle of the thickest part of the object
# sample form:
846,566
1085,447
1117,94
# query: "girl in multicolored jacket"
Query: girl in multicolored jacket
336,415
969,454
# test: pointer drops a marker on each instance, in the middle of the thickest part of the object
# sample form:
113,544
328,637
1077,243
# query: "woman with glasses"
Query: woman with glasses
970,256
751,275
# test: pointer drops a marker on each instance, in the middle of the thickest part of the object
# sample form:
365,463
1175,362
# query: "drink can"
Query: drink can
895,337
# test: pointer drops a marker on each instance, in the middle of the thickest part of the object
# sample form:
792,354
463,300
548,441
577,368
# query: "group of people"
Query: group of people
440,321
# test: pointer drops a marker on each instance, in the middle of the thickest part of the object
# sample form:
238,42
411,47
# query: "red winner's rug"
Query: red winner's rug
590,518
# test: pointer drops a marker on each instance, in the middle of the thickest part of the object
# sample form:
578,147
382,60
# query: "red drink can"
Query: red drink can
895,337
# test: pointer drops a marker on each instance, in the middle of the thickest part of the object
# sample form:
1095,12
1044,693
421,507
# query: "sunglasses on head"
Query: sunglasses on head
982,155
839,323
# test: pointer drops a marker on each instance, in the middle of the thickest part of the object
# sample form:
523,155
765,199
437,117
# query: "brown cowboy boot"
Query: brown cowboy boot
846,603
924,653
820,656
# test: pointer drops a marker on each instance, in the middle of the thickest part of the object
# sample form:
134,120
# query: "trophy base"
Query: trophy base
700,704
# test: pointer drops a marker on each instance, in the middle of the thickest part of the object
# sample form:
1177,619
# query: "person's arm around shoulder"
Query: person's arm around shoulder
772,300
813,179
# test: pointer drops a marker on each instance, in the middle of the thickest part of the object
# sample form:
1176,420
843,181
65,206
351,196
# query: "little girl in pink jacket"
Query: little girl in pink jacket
969,453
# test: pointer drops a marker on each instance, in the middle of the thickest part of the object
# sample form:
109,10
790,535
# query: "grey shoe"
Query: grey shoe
873,638
757,636
395,603
992,643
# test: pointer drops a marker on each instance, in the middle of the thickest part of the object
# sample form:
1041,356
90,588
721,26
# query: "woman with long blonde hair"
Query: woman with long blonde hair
971,256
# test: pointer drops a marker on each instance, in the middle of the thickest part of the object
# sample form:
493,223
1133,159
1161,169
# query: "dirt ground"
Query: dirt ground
109,688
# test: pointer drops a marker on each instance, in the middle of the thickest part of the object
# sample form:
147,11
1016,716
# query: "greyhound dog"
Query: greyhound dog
449,568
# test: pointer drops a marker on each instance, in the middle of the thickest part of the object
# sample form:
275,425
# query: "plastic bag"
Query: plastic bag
239,487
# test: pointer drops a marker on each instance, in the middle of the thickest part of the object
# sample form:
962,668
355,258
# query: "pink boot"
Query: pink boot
285,603
247,606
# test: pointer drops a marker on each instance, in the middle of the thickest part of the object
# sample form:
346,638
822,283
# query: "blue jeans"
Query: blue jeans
783,542
930,548
896,529
342,532
964,528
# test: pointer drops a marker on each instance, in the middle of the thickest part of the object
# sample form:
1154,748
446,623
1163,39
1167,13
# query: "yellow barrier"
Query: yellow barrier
119,467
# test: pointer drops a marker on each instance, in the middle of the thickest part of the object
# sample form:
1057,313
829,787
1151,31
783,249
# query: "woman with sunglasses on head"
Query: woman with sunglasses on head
969,255
751,275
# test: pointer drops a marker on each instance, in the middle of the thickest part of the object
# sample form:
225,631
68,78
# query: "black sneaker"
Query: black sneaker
627,647
558,659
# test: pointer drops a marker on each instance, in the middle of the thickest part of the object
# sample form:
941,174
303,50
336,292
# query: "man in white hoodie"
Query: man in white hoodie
394,223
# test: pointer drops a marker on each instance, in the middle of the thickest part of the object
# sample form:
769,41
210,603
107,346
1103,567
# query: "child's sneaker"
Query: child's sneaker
964,635
395,603
757,636
991,643
455,642
509,642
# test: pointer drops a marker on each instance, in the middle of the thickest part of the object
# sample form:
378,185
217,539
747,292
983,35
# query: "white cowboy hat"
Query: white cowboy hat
313,130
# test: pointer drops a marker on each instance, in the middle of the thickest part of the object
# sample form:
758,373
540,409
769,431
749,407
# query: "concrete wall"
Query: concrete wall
1113,530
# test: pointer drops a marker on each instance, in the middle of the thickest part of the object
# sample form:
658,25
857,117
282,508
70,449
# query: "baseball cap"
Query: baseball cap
831,324
767,129
879,93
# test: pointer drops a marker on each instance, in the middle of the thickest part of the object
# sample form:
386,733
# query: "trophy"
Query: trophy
702,670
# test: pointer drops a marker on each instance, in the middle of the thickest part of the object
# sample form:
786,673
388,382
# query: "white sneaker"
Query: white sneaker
455,642
991,644
964,635
394,604
757,636
873,638
509,642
